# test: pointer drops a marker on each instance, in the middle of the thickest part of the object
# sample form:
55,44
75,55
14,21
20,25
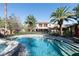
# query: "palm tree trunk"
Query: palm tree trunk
5,14
61,33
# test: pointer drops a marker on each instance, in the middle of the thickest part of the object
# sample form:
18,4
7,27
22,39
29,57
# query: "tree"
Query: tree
76,17
13,24
2,23
31,21
60,15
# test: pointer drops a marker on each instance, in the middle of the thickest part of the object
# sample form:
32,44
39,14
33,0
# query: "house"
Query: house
41,27
74,30
46,27
77,30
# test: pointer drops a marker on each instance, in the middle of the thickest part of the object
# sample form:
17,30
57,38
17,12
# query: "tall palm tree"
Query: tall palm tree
5,13
5,16
76,9
31,21
60,15
76,17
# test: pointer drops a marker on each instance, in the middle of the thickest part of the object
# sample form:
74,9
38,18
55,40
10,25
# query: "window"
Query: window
45,25
40,25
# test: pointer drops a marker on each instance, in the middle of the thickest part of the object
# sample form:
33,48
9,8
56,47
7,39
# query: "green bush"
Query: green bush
54,33
67,33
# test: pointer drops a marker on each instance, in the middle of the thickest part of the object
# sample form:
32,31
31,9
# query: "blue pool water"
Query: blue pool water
40,47
2,47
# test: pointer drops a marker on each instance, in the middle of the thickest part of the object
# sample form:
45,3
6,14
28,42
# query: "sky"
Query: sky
41,11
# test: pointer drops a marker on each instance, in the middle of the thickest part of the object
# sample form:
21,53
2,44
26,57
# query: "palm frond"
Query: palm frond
53,21
66,8
69,19
61,14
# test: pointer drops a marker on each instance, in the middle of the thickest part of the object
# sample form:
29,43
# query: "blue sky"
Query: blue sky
41,11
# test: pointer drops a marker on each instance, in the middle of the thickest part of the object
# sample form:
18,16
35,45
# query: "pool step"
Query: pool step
67,47
63,47
72,48
63,51
69,51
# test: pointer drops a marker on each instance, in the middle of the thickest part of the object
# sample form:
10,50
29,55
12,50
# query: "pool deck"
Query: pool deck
30,35
2,41
11,45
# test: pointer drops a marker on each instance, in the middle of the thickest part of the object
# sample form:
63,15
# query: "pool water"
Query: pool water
40,47
2,47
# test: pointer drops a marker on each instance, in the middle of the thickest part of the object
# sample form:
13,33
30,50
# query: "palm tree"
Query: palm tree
5,16
31,21
60,15
76,17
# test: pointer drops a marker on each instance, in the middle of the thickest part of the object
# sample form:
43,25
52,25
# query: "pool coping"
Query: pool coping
28,35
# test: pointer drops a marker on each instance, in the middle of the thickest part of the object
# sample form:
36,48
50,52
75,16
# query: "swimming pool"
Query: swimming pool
40,46
2,47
